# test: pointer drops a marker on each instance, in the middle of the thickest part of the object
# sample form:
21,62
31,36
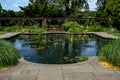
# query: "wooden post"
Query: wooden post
44,24
66,20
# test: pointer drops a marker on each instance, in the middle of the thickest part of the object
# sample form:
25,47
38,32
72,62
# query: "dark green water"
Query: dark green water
57,48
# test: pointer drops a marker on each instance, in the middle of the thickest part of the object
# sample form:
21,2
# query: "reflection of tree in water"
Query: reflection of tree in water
53,56
101,42
60,47
39,41
53,52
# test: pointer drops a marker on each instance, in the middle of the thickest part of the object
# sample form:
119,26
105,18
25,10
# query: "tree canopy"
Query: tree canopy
54,8
42,10
111,9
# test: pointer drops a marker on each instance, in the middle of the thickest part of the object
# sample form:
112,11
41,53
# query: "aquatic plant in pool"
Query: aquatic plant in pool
57,48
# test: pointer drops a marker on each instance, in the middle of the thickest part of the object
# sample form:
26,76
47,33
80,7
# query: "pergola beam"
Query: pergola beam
39,18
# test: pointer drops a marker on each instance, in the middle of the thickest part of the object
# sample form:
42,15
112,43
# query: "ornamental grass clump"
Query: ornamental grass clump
111,53
8,54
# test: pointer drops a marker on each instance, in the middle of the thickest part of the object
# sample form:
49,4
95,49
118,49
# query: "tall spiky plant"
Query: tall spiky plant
8,54
111,53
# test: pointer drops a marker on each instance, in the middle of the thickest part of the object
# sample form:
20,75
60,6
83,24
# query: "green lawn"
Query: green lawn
2,32
115,33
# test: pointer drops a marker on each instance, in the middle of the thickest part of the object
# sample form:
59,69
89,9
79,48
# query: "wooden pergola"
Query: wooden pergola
41,19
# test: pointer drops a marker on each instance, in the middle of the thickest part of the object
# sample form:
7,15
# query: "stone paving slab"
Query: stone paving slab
118,72
99,68
82,68
79,76
53,68
35,67
14,70
88,70
27,75
9,35
5,77
50,75
107,76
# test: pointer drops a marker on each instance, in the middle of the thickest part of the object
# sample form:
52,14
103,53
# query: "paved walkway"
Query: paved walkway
9,35
88,70
104,35
100,34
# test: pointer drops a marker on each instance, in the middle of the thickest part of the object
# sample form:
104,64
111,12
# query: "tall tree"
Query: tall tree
110,8
0,10
101,3
100,8
39,1
113,12
42,8
72,6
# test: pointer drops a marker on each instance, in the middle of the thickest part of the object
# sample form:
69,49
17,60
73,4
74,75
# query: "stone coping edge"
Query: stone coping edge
72,64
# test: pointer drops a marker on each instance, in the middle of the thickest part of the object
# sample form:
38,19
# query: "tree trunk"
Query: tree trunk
0,25
40,23
67,9
44,24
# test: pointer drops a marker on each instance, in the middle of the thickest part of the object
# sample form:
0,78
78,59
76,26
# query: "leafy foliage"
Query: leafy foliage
106,10
75,59
10,29
76,30
97,28
73,27
45,9
38,30
0,8
42,10
111,53
72,6
82,58
8,54
1,32
68,25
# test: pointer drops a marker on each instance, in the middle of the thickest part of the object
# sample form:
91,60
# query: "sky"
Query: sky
92,4
14,4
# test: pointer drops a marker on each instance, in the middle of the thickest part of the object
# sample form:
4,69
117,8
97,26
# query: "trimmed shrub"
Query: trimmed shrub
38,30
68,25
8,54
73,27
111,53
98,28
11,29
95,28
76,30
